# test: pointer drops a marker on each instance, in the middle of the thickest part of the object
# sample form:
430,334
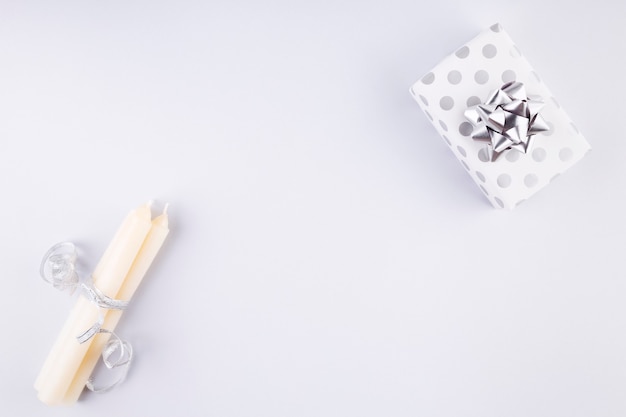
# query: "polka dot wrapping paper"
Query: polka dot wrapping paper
466,78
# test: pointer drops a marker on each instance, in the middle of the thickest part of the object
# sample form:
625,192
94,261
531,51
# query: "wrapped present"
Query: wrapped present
499,118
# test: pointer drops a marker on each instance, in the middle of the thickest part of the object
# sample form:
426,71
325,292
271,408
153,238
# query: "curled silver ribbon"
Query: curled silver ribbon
58,268
117,353
507,120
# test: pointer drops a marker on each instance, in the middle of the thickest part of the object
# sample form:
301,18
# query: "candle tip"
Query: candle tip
167,205
150,203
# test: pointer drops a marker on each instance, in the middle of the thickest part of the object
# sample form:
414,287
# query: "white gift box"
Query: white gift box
467,78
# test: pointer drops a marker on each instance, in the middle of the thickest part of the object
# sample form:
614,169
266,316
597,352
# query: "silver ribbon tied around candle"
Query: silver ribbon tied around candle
58,268
507,120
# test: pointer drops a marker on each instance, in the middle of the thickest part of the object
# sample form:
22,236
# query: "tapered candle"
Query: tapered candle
142,262
67,353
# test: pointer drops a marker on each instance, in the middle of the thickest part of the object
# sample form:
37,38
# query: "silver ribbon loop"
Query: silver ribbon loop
117,353
58,268
507,120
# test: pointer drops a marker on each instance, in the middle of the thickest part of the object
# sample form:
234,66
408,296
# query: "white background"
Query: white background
328,255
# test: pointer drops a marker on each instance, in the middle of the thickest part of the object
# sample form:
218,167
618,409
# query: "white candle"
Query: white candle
142,262
67,354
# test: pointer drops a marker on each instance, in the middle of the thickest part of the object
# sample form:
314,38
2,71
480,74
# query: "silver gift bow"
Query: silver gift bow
58,268
507,120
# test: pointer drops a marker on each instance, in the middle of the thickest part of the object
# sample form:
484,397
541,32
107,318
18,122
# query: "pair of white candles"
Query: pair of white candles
117,275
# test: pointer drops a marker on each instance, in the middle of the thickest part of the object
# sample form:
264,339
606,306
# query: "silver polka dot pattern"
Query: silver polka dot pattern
565,154
512,155
428,78
454,77
508,76
473,101
465,129
481,76
462,52
539,154
446,102
530,180
504,180
489,51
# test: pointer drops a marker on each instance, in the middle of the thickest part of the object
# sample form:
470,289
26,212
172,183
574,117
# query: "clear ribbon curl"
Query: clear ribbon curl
508,119
58,268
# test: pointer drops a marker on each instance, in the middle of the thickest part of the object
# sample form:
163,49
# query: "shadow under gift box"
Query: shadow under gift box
466,78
